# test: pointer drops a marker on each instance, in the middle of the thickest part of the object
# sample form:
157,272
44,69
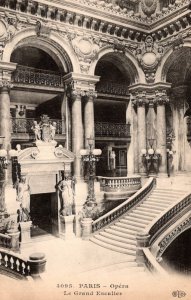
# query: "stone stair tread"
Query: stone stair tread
145,213
168,190
148,209
124,230
118,238
131,254
127,228
134,219
138,215
159,204
122,234
132,225
155,207
115,243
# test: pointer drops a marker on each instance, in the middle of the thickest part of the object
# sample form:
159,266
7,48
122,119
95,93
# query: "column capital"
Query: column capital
139,98
83,85
161,97
5,84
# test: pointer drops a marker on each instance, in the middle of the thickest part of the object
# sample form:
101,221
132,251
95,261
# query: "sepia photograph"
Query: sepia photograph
95,149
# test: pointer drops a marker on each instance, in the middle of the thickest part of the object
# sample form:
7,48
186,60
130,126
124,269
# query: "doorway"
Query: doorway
41,214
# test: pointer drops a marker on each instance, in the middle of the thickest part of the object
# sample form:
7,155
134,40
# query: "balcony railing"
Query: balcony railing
106,129
25,125
32,76
112,88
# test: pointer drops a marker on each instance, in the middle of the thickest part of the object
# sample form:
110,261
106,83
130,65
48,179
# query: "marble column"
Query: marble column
89,118
5,119
77,131
161,100
179,123
141,129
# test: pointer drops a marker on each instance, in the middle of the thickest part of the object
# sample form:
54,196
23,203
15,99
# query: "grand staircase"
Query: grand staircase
120,236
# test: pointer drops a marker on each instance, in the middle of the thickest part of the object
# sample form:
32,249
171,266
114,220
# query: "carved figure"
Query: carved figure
53,130
37,130
23,196
67,196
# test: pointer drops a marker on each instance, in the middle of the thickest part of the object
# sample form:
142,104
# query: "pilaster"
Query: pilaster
6,70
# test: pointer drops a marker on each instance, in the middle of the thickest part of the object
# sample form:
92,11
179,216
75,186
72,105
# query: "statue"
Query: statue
37,130
66,187
23,196
53,130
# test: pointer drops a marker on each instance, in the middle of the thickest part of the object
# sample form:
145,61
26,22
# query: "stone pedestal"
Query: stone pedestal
25,232
67,227
86,228
14,239
142,242
37,262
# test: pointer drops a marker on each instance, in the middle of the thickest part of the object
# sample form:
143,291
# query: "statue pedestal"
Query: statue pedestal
25,232
67,227
14,235
86,228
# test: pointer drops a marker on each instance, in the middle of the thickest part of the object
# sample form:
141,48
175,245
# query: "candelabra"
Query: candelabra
151,158
90,156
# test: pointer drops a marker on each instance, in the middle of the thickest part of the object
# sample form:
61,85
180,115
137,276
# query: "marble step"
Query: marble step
104,244
118,238
144,213
118,232
159,204
137,221
147,210
145,217
150,206
132,225
126,229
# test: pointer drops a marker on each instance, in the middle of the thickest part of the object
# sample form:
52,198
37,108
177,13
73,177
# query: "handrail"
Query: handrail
151,263
14,263
123,207
165,218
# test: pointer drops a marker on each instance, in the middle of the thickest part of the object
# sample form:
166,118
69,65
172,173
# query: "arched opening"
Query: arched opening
112,132
38,88
177,71
177,258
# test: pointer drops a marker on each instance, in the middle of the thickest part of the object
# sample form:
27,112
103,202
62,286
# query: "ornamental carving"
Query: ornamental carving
149,55
148,7
42,29
168,239
7,31
161,97
86,48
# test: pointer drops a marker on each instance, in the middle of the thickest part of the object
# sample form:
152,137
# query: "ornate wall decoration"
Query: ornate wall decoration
85,48
149,55
8,28
169,238
149,7
42,29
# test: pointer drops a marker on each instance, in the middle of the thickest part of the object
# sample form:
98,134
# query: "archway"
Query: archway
177,71
176,258
112,130
38,87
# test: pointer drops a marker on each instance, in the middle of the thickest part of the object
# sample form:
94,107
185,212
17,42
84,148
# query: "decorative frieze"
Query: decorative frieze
169,238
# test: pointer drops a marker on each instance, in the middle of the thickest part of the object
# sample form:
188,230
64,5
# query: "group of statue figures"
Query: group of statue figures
44,130
66,187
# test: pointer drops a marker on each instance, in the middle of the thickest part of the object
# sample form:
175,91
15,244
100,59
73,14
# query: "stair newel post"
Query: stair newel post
37,263
86,224
142,242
